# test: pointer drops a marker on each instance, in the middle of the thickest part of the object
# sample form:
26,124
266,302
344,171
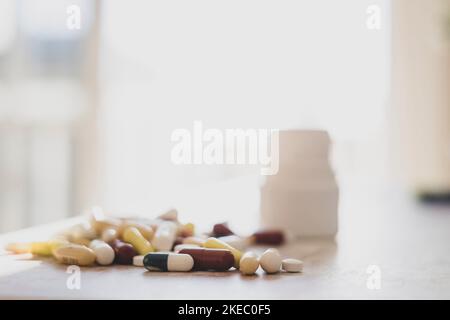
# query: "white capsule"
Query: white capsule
138,261
236,242
171,215
292,265
82,230
103,252
165,236
270,261
182,246
109,235
161,261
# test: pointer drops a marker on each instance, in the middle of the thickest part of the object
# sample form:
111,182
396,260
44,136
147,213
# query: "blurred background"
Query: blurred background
86,114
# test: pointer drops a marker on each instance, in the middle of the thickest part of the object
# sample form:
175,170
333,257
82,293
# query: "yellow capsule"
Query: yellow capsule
215,243
18,247
194,240
135,238
146,231
75,254
187,230
41,248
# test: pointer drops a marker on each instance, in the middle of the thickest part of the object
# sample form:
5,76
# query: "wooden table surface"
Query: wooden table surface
407,241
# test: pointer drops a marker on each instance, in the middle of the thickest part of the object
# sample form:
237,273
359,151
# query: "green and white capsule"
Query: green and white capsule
165,261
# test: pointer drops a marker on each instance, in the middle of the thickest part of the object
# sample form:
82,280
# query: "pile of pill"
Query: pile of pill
161,244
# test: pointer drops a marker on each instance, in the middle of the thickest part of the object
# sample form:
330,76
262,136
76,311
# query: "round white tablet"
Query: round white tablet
138,261
292,265
270,261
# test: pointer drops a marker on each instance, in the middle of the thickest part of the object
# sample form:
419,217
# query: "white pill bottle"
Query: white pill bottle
420,97
302,197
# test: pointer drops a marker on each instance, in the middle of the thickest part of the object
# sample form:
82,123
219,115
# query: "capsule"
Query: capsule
109,235
81,241
18,247
100,221
41,248
269,237
138,261
161,261
104,252
186,230
83,230
210,259
75,254
218,244
221,230
235,241
124,252
134,237
165,236
170,215
146,231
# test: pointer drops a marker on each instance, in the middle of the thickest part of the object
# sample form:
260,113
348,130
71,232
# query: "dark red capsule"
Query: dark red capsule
124,252
221,230
269,237
210,259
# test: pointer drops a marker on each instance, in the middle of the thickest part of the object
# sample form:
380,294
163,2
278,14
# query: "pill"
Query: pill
270,261
100,221
109,235
249,263
168,262
269,237
218,244
100,225
57,243
235,241
194,240
137,240
170,215
138,261
75,254
104,253
178,240
186,230
82,230
210,259
221,230
165,236
292,265
42,248
146,231
124,252
80,241
180,247
18,247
